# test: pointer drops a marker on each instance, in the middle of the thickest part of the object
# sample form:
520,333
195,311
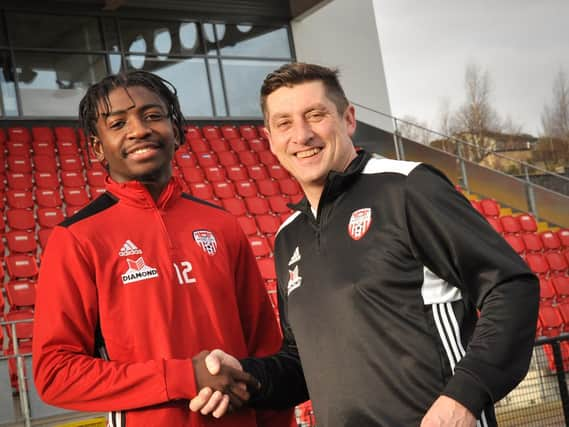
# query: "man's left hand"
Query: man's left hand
447,412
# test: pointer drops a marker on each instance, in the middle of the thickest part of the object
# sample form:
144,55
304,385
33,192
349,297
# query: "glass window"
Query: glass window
51,31
114,63
188,77
9,104
243,79
52,84
189,37
111,34
209,38
217,87
264,42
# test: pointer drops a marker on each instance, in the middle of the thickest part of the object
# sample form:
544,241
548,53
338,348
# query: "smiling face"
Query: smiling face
308,135
136,136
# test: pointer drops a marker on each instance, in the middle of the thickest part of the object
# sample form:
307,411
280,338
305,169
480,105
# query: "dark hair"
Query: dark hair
98,94
296,73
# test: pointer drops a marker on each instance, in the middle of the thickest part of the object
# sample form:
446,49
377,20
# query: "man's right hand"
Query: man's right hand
222,383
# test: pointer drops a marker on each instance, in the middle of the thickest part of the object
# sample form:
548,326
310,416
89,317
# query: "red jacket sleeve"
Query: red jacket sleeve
67,372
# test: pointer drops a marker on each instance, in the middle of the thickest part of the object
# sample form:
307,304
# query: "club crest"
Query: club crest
359,223
206,240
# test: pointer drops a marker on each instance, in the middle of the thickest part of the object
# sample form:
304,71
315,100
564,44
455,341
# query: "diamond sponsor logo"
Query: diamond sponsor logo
137,271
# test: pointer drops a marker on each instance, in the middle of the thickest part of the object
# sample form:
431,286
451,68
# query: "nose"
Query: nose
302,133
138,128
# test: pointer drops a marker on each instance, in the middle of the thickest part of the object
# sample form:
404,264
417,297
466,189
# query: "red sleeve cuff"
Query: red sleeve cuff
179,378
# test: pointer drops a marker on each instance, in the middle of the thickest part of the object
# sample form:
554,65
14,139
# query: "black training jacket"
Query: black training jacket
379,298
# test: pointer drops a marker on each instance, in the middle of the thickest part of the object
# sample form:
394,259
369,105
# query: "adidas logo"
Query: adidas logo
295,256
129,248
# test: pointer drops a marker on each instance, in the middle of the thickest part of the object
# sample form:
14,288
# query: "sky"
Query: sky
427,45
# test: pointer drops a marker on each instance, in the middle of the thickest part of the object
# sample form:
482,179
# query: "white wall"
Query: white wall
343,34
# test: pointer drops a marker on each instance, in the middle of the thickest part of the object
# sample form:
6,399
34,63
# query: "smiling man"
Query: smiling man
381,272
135,285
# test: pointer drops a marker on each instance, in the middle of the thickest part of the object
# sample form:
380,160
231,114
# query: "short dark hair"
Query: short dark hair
98,94
296,73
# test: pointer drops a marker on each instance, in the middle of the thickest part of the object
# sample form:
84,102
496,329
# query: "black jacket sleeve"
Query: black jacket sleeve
455,242
281,376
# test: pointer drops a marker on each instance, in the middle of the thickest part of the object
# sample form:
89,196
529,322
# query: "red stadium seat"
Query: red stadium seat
71,210
48,198
43,236
248,132
537,263
279,203
193,174
246,188
532,242
228,158
258,172
67,148
71,163
199,146
490,208
268,224
49,217
43,148
66,134
193,132
259,144
95,192
550,241
278,172
563,236
224,190
19,181
20,199
476,205
267,158
20,219
296,198
237,173
238,145
248,225
268,187
44,163
215,174
257,206
185,159
19,164
201,190
75,196
516,242
24,330
206,159
46,180
20,134
18,149
21,241
21,294
547,294
219,146
551,320
260,246
510,224
211,132
248,158
289,186
528,223
72,179
235,206
561,286
557,263
42,133
21,266
267,268
230,131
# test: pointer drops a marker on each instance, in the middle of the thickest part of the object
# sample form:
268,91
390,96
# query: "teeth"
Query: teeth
141,150
308,153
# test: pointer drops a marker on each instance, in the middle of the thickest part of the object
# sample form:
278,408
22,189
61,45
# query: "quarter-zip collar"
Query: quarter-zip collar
136,194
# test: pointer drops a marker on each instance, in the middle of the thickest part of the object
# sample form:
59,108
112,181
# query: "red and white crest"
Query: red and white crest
359,223
206,240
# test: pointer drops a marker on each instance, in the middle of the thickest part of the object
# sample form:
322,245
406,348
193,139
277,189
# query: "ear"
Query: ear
266,133
350,120
97,147
177,137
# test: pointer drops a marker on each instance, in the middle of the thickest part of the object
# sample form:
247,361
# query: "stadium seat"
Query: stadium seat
215,174
248,225
24,330
43,148
44,163
73,179
258,172
42,133
70,163
246,188
228,158
510,224
289,186
239,144
563,236
19,164
19,181
21,241
20,219
527,223
46,198
67,148
268,187
267,158
95,192
537,263
550,241
547,294
19,199
193,174
278,203
235,206
551,320
201,190
267,268
248,158
206,159
516,242
248,132
259,144
71,210
271,286
18,149
211,132
199,146
20,134
46,180
224,190
476,205
561,286
278,172
75,196
296,198
237,173
185,159
490,208
532,242
21,294
49,217
257,205
260,246
219,146
66,134
43,236
21,266
193,132
230,131
557,263
268,224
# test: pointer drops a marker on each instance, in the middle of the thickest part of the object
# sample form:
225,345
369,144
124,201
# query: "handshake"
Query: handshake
223,385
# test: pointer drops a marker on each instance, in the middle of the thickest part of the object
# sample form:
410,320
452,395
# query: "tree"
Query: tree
411,128
555,117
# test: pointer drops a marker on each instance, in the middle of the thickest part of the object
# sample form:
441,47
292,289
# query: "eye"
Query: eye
154,115
117,124
316,115
283,124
